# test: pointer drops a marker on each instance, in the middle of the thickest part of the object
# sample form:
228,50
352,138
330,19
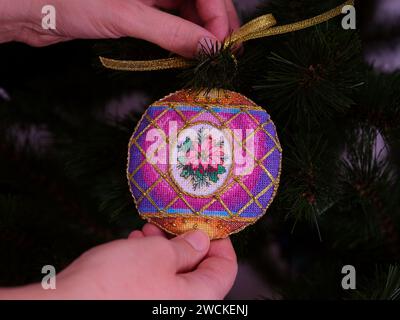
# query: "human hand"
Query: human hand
147,265
201,21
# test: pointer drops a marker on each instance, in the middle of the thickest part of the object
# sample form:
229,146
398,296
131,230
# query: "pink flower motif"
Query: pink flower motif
205,157
193,159
216,157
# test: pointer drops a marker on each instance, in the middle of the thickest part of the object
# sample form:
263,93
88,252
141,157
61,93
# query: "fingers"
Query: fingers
215,17
136,234
166,4
188,11
222,249
150,230
189,248
214,276
180,254
234,22
168,31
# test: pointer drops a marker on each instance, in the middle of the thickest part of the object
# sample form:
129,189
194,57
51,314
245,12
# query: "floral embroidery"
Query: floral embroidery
201,160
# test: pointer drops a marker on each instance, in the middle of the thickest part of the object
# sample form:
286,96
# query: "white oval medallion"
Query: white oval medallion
200,159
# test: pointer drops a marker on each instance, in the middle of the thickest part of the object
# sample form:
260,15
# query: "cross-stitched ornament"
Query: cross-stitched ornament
208,161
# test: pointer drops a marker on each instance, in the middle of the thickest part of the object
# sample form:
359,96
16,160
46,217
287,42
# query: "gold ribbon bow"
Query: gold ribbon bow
263,26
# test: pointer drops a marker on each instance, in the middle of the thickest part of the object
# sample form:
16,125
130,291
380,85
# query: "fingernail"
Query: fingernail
208,44
198,240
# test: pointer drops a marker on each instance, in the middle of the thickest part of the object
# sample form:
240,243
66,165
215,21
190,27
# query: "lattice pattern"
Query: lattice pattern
240,201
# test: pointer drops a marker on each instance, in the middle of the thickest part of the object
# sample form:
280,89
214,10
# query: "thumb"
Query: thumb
215,275
166,30
190,248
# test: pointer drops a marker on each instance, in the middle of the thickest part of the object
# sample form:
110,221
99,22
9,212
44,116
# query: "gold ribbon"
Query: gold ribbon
146,65
263,26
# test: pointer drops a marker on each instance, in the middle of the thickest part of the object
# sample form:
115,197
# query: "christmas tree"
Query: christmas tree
65,123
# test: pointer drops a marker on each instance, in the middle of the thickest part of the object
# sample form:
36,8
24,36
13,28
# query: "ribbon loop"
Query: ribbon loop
252,30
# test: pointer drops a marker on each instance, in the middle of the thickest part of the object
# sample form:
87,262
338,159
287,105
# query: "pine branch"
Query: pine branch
366,179
378,103
301,86
384,286
215,67
96,163
308,188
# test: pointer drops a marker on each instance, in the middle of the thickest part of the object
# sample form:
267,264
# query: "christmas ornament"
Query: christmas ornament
208,161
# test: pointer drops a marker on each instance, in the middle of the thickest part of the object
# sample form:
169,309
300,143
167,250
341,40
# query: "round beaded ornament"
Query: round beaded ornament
208,161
